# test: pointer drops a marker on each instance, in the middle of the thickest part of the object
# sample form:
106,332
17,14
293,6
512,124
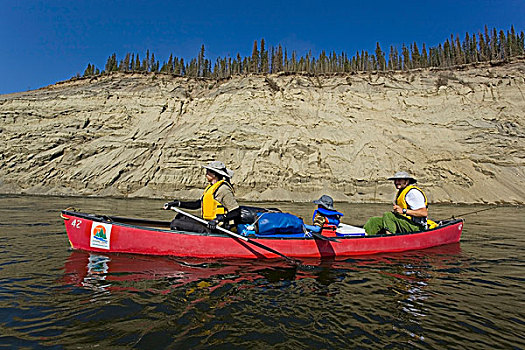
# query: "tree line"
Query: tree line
491,45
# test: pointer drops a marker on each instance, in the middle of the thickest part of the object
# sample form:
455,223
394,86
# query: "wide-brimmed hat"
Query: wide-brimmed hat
403,175
325,201
219,168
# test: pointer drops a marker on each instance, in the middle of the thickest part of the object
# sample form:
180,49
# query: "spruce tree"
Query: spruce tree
381,63
286,63
406,57
494,52
272,60
433,59
424,57
347,66
246,67
170,64
301,65
200,63
465,49
416,58
513,41
164,67
459,52
111,63
521,44
373,63
307,62
392,59
293,62
137,63
125,63
447,52
88,71
503,47
176,66
473,49
488,46
279,64
264,58
107,67
442,56
152,63
239,64
182,67
254,64
322,62
482,48
333,62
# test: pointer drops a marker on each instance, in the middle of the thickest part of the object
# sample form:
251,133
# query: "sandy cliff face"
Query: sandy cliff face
461,133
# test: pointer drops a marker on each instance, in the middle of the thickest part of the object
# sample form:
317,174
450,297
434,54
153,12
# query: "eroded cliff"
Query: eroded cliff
287,137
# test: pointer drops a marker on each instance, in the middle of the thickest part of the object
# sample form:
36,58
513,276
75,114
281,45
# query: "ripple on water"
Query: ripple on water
459,296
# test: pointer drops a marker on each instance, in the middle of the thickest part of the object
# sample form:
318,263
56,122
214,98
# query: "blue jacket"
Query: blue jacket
331,216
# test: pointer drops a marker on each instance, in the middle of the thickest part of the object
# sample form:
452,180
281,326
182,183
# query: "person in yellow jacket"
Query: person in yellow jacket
218,204
409,212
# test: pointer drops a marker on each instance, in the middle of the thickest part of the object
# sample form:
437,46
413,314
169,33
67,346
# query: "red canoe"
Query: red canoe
100,233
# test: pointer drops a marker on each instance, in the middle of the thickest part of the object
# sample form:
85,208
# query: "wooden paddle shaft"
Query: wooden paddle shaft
246,239
201,220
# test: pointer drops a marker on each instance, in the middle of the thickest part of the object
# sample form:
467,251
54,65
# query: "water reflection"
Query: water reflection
397,289
123,271
97,269
406,274
411,280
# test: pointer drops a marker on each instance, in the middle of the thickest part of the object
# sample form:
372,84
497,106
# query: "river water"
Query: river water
462,296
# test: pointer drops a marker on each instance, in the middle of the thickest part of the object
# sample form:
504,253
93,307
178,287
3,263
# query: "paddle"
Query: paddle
235,235
313,231
324,238
475,211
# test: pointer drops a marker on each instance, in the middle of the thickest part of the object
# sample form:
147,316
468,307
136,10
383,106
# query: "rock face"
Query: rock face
461,133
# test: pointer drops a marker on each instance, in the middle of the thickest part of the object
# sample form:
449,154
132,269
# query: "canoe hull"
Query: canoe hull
101,234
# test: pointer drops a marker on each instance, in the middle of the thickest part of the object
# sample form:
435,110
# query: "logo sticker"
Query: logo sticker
100,235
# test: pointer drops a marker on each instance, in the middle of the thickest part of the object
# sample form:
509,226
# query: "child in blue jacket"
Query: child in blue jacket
325,214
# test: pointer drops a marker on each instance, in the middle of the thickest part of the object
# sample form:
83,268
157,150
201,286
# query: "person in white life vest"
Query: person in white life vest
218,204
409,212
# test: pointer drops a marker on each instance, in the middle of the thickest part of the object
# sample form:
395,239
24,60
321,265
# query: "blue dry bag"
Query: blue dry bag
276,223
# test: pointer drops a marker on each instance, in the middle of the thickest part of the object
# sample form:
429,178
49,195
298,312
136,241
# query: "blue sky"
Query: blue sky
44,42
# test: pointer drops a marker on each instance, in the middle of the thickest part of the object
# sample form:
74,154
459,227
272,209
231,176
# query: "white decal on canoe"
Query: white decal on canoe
100,235
76,223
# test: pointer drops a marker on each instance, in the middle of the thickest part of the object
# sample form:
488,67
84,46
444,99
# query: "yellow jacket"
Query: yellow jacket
401,201
210,207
